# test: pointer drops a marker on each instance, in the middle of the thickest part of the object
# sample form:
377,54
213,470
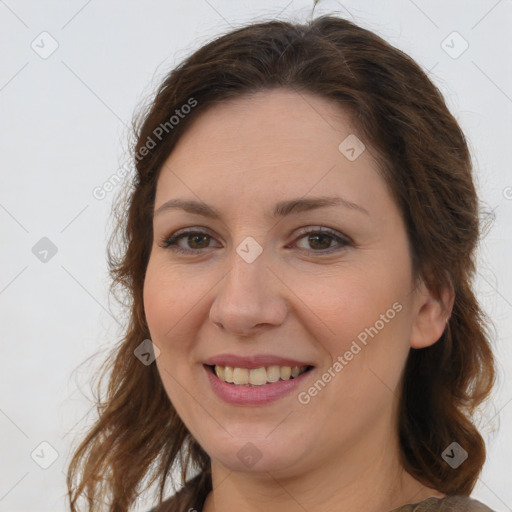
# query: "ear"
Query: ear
430,315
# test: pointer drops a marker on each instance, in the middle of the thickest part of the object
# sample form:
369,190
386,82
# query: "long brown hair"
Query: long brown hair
138,436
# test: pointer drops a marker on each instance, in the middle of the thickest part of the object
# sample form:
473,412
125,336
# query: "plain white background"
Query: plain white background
65,120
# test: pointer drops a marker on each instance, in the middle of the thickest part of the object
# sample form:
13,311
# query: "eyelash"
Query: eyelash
170,242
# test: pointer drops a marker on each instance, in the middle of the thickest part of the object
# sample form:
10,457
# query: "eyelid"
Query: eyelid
170,241
325,230
178,235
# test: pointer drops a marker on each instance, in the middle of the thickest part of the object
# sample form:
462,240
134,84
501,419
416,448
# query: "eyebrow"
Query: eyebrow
281,209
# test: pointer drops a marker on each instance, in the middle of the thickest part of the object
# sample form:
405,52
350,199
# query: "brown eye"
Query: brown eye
194,241
320,240
197,241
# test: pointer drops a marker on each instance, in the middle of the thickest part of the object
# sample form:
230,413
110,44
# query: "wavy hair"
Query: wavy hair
138,436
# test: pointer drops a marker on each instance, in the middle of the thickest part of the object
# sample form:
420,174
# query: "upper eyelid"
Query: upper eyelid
179,234
302,230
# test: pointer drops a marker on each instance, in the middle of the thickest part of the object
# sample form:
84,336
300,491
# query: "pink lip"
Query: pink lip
254,395
255,361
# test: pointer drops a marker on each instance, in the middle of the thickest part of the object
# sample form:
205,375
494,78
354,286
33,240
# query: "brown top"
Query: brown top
447,504
178,503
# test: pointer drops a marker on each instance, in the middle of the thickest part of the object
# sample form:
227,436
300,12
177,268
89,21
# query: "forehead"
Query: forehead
276,120
270,144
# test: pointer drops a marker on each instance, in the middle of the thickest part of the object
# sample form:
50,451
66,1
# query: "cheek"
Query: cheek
347,303
366,347
167,299
175,308
159,305
166,305
360,315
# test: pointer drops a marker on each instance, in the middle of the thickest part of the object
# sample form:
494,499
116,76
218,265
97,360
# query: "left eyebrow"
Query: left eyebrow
299,205
281,209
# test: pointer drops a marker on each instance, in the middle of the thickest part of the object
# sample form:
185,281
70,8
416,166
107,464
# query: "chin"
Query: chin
259,453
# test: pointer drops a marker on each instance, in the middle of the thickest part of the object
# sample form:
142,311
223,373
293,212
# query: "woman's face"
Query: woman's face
253,283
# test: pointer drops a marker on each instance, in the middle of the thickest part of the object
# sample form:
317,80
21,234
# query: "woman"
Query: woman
298,248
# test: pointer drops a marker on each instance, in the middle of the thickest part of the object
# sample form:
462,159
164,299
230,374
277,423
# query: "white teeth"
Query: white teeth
228,374
257,376
285,372
273,373
220,371
240,376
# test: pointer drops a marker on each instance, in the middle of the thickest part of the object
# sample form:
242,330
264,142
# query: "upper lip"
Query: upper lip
254,361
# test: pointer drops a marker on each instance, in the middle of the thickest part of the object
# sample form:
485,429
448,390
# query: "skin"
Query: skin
340,451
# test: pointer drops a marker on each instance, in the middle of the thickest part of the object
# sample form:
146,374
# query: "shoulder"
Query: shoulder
184,500
446,504
169,505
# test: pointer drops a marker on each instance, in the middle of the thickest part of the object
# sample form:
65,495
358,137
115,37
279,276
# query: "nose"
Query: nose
249,299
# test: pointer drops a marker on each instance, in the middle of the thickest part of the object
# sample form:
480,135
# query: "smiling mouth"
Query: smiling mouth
257,376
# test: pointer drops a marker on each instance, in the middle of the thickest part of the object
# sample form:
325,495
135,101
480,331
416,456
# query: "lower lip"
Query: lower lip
254,395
